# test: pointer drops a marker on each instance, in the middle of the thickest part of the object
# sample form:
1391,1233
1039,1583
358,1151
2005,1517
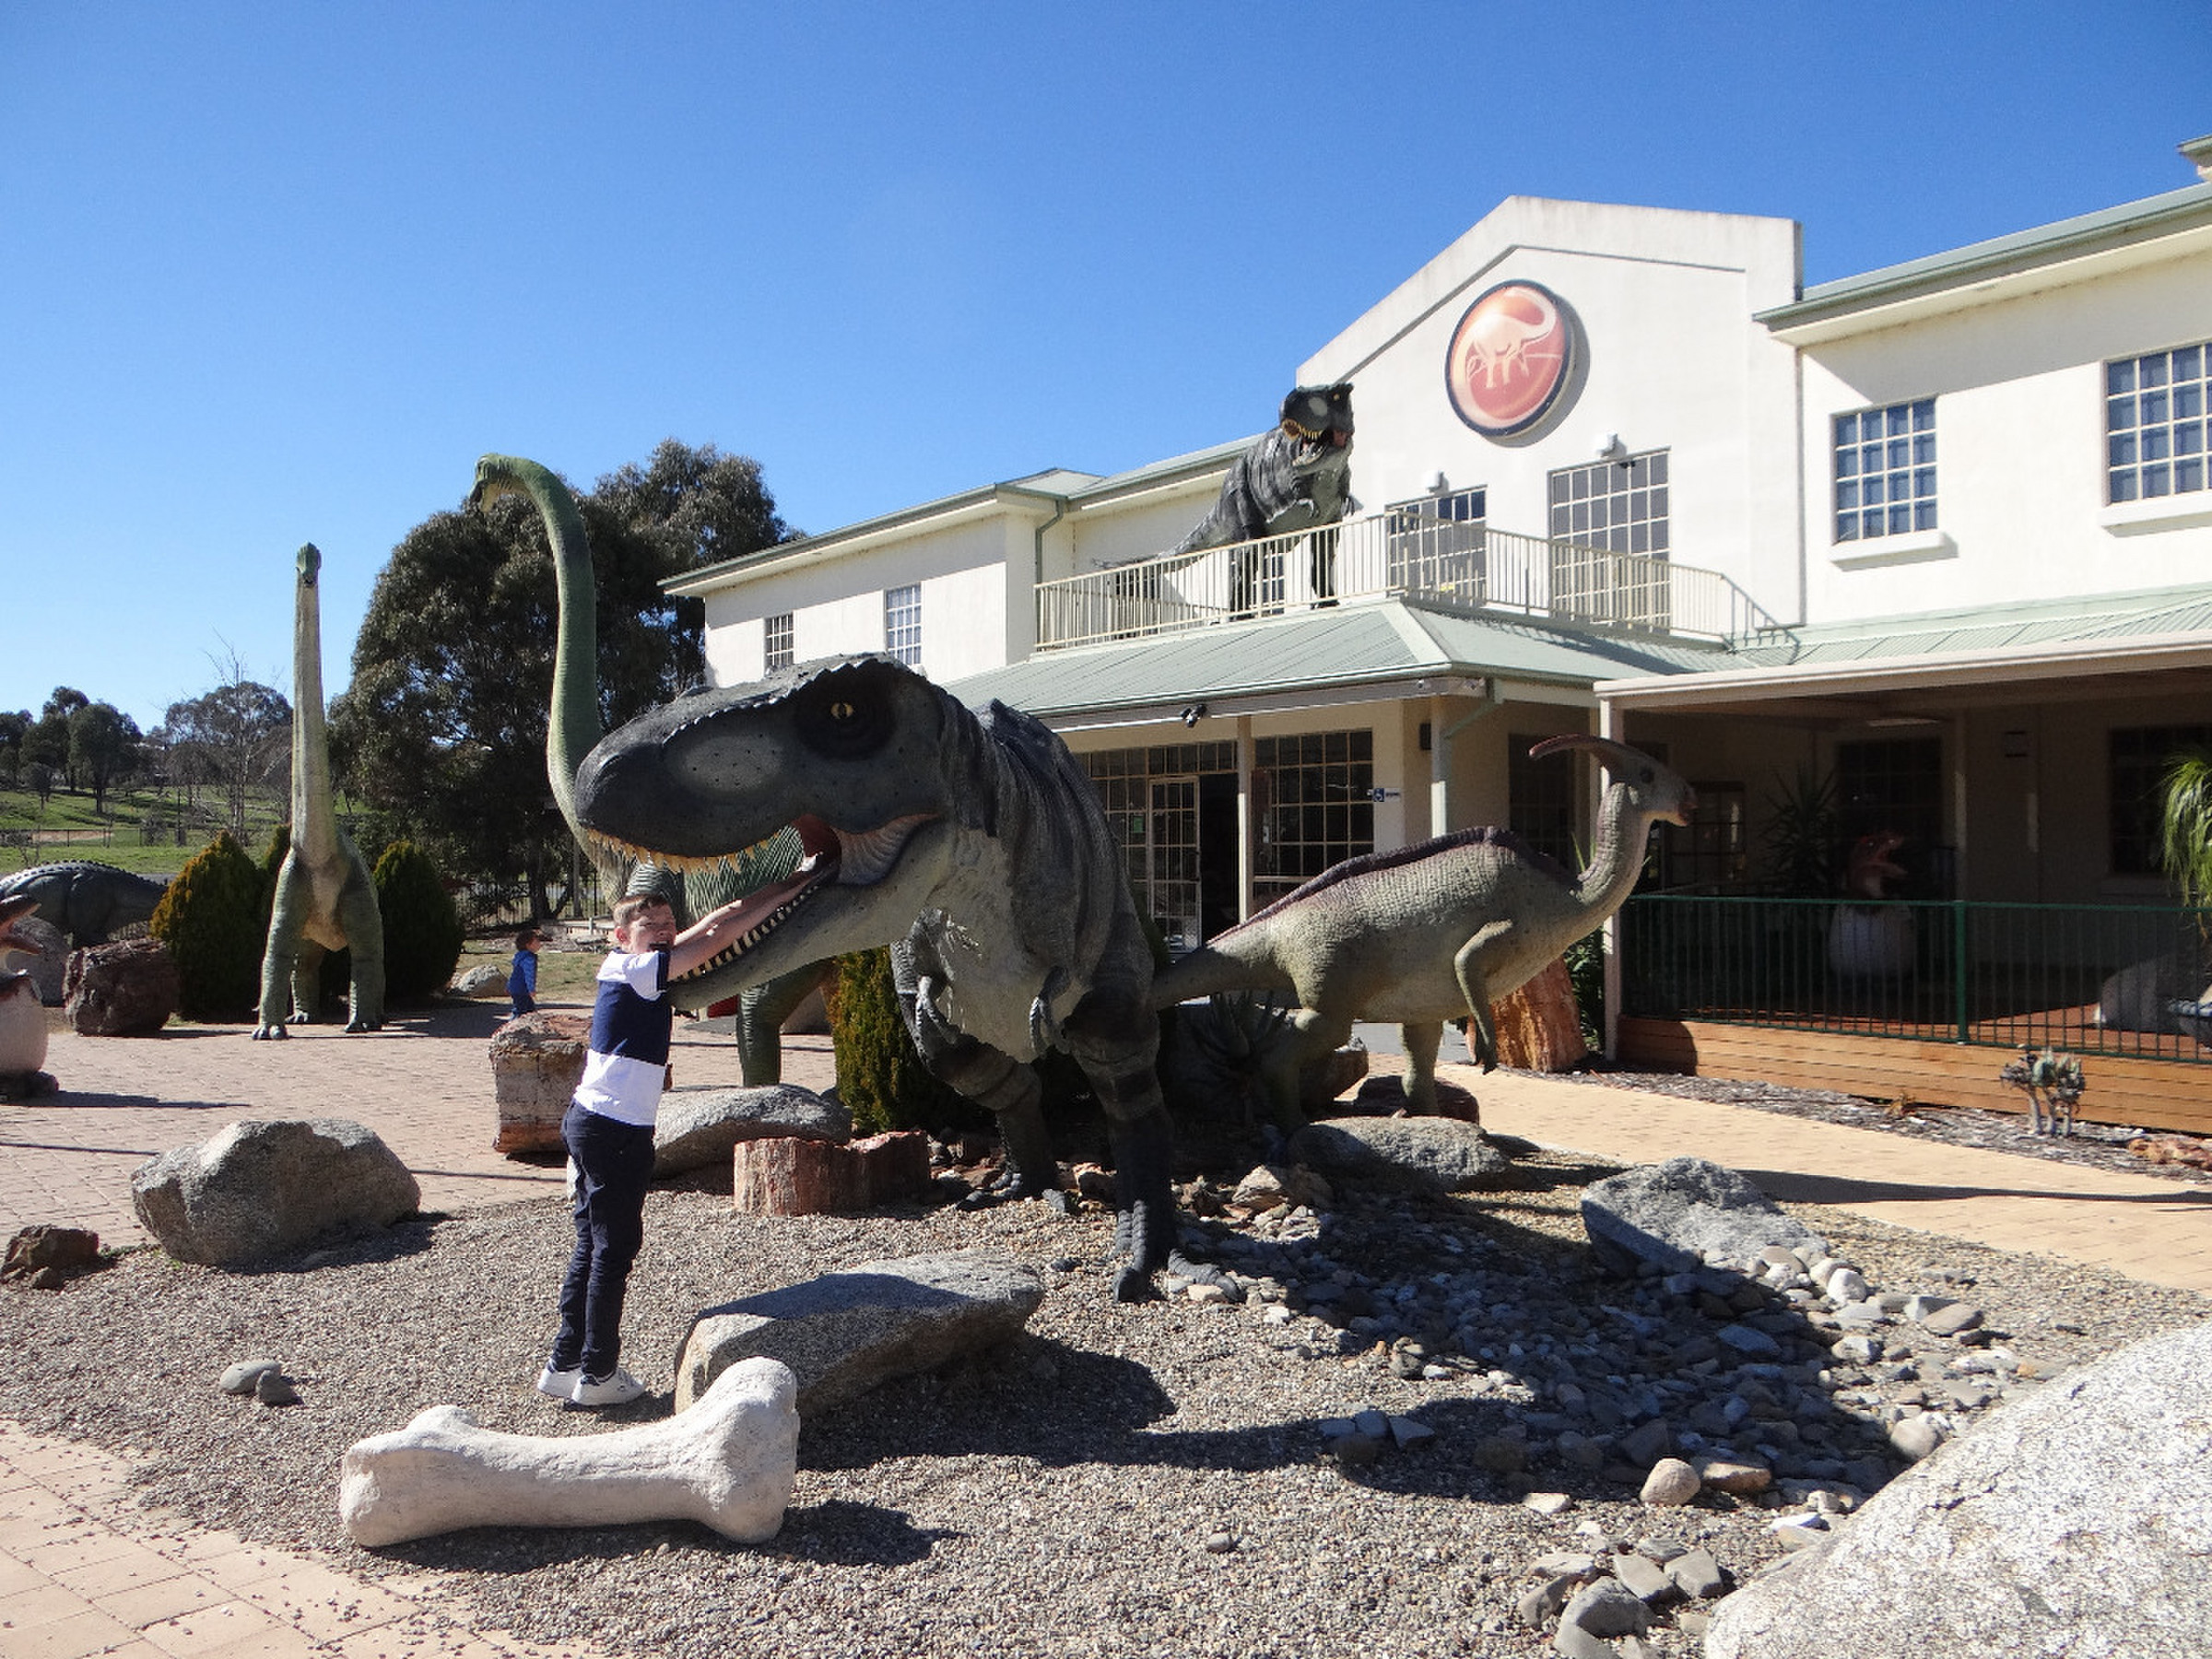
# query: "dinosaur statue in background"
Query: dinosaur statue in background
325,898
574,726
1432,931
1296,477
970,843
89,902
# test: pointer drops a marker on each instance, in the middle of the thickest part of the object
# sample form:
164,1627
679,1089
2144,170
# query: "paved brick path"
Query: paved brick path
83,1571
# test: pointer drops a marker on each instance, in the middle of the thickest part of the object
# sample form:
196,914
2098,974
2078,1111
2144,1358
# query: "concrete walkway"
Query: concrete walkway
85,1571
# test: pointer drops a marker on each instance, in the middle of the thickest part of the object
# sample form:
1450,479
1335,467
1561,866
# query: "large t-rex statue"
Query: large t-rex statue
1432,931
970,843
574,725
325,899
1296,477
89,902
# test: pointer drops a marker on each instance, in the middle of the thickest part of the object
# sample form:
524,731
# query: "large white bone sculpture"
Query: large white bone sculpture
727,1462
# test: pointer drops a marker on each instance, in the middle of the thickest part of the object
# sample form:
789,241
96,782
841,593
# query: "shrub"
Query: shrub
214,921
422,928
881,1079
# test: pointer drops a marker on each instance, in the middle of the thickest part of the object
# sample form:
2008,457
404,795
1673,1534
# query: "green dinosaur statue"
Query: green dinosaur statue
574,726
325,897
1432,931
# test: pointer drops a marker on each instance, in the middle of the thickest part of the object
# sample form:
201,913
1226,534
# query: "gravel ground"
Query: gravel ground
1059,1495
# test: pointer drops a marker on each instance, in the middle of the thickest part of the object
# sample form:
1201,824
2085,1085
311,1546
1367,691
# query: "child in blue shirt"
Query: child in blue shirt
608,1130
522,974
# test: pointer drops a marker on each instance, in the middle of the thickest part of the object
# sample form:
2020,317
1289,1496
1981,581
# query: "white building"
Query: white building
1941,533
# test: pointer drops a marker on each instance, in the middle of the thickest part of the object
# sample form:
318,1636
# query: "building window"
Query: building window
1896,785
1885,471
779,633
1312,799
1435,546
1618,506
1539,798
2138,758
2154,422
1173,809
902,623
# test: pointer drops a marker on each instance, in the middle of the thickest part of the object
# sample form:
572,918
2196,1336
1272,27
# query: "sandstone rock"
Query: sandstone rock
1682,1213
536,1061
1274,1186
46,959
263,1187
65,1249
698,1125
1671,1482
1539,1027
729,1463
846,1332
1738,1477
122,990
788,1175
2075,1520
1435,1155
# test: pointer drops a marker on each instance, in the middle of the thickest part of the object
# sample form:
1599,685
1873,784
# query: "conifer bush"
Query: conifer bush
422,926
881,1079
214,919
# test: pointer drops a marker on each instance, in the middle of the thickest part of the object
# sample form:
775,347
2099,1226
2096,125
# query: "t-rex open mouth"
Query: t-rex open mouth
833,857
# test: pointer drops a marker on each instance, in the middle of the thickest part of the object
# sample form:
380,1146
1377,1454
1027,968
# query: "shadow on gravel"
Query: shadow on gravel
836,1533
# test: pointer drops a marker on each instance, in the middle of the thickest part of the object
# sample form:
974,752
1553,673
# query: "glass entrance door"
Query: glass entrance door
1172,843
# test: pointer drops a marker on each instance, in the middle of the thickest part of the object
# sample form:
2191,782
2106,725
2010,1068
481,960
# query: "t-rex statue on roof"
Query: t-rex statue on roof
970,843
574,725
325,898
89,902
1432,931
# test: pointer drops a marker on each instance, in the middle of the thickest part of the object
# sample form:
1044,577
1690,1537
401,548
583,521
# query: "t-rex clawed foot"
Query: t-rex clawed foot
269,1032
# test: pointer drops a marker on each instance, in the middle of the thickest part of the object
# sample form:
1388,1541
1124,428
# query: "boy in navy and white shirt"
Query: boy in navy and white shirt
608,1130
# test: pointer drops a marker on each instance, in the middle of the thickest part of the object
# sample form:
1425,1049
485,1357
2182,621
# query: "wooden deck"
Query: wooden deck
2143,1090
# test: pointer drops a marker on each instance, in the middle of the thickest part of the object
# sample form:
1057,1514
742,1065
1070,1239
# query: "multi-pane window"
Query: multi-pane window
1619,506
902,623
1435,544
2139,756
1885,471
2154,422
1896,783
779,637
1312,799
1539,798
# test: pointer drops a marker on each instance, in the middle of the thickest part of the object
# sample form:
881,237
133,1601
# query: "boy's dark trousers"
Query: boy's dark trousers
613,1165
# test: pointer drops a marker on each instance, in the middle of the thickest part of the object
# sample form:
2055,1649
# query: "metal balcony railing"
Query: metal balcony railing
1398,553
2093,979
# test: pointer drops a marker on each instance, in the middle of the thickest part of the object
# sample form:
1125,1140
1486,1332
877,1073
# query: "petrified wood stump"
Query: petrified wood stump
1538,1028
536,1061
785,1175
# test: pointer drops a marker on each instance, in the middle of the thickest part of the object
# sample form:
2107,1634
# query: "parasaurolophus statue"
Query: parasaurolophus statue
1432,931
325,899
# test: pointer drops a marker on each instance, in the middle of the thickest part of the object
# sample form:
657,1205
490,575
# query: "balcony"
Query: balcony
1399,554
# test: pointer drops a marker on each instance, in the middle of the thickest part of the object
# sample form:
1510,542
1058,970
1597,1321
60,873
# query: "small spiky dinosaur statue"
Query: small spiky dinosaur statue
1432,931
325,899
574,726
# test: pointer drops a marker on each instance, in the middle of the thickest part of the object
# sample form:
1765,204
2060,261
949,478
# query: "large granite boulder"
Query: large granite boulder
41,951
1418,1154
2077,1521
486,979
260,1188
536,1061
699,1124
127,989
1685,1214
844,1333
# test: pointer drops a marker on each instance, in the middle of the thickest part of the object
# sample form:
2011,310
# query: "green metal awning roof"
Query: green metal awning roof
1354,653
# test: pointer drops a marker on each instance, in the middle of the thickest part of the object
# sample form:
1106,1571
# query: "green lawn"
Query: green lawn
68,827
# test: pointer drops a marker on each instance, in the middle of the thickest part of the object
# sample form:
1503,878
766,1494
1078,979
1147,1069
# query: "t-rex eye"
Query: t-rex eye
845,719
842,710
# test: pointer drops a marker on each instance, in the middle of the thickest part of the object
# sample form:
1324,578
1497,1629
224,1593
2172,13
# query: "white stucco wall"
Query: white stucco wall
1674,362
2020,448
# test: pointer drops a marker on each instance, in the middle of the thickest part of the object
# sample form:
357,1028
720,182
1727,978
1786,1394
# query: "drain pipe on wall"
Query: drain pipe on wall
1037,575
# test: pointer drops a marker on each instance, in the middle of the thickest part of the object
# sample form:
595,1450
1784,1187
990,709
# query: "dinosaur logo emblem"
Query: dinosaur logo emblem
1510,358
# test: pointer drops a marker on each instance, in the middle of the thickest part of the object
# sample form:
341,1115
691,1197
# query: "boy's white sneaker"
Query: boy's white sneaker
618,1388
559,1384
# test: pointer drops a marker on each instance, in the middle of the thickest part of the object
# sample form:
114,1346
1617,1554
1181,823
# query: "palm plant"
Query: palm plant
2185,825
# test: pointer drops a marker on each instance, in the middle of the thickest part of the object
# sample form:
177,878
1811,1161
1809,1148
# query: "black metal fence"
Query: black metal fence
2093,979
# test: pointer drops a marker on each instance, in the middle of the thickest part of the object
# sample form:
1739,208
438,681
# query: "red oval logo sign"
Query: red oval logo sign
1510,359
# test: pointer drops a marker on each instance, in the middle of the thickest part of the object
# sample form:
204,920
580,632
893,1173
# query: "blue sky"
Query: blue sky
279,274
